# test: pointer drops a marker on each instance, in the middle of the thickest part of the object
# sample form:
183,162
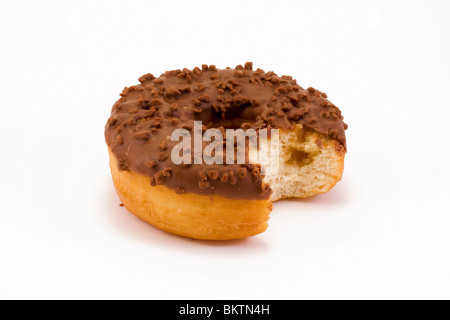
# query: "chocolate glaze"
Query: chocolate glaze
143,119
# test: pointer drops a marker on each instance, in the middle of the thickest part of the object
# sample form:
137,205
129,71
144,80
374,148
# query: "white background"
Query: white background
382,232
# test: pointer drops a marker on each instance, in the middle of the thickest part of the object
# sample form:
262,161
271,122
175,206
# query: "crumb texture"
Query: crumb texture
310,163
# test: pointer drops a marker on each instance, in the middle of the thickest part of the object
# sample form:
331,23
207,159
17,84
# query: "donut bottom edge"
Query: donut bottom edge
190,215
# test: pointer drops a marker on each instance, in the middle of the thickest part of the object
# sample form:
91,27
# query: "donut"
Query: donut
218,200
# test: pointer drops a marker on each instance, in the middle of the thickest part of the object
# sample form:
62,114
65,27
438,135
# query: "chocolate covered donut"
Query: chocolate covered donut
220,200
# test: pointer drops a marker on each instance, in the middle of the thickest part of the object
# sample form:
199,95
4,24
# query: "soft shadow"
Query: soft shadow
131,226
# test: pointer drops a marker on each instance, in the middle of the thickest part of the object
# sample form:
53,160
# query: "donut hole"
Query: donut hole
233,118
226,123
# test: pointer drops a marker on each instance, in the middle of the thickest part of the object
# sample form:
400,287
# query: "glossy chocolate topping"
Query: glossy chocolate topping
142,121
